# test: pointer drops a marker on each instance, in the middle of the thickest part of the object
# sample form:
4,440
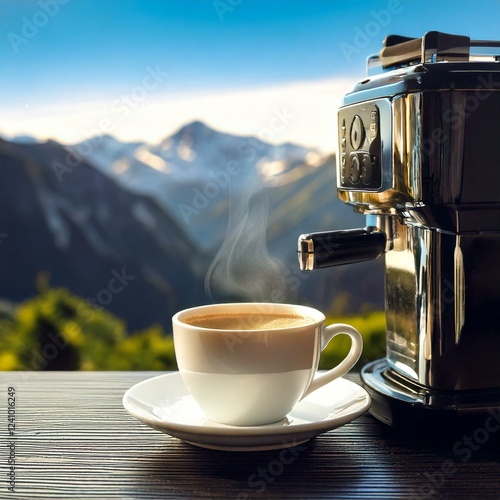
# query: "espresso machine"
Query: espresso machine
419,156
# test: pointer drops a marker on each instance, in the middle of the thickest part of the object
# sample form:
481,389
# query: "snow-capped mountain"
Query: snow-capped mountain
105,152
193,154
201,208
203,177
193,171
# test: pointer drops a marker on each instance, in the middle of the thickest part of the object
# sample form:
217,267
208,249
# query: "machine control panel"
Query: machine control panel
360,147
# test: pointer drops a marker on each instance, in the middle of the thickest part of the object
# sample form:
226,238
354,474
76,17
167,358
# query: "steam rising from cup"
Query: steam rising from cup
243,269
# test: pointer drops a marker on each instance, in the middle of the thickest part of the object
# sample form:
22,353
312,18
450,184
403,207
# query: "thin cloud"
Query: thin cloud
308,112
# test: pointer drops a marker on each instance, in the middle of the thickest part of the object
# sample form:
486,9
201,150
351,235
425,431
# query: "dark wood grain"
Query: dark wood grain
75,440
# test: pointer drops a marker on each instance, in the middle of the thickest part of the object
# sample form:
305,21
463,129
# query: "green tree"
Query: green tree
57,330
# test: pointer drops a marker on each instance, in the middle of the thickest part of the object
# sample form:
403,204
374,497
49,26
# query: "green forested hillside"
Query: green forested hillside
59,331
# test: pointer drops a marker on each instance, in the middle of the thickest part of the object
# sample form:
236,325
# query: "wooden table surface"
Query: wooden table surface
73,439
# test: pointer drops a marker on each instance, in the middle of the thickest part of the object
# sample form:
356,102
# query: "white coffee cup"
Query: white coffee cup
244,373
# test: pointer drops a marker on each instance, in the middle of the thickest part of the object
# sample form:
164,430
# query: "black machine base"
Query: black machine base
408,406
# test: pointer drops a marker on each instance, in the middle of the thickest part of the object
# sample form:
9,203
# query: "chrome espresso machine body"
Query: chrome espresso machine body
419,155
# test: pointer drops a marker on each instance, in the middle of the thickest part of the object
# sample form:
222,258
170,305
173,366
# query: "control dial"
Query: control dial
357,133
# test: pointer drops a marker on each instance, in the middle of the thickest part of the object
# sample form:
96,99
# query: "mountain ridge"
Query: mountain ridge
84,228
112,211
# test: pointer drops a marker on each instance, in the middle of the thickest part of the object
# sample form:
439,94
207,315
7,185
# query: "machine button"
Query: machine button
343,173
373,125
355,169
366,169
343,144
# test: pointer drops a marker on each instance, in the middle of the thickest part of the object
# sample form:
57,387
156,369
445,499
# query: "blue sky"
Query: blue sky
66,65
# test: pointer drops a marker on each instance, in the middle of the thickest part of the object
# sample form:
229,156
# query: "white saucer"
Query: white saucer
164,404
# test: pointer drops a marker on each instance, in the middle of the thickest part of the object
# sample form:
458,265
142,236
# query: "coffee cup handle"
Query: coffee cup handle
346,364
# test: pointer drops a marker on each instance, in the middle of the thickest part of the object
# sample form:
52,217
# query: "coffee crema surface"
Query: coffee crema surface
248,321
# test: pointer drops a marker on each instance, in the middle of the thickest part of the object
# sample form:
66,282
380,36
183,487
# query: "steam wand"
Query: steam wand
335,248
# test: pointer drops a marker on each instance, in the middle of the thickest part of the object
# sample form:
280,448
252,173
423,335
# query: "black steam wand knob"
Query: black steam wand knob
335,248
